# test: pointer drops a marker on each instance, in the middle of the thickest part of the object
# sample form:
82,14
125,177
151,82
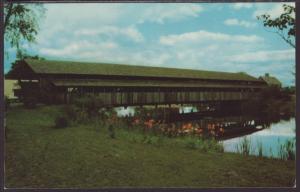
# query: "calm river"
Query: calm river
271,138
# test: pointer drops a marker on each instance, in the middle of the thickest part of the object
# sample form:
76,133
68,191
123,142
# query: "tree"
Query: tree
21,23
284,25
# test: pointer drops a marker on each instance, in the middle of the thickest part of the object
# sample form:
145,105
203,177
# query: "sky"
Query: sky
202,36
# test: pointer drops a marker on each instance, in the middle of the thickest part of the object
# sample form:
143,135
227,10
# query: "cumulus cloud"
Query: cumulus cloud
159,13
79,48
263,56
272,9
242,23
129,32
200,36
238,6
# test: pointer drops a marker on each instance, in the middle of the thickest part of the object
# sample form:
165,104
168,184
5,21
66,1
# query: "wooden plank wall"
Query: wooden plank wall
169,97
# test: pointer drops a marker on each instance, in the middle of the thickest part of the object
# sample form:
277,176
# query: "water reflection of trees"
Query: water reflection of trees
168,122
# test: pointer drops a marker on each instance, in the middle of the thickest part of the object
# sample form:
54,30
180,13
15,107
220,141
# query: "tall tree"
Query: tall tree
284,25
21,23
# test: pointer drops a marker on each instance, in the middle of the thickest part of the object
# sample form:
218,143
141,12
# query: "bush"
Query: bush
61,122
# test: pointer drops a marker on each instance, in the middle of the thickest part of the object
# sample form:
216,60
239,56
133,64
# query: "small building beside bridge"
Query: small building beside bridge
270,80
128,85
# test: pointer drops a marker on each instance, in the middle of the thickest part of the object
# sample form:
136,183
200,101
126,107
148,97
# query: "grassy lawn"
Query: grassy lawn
38,155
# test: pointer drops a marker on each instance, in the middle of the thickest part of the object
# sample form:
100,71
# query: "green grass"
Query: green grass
84,156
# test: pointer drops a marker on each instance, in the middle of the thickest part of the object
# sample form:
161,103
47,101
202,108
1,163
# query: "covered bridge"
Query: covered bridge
126,85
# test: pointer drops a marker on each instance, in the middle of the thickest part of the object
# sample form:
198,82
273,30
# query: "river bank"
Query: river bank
84,156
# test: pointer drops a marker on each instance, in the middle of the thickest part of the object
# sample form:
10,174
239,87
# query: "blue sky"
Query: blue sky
218,37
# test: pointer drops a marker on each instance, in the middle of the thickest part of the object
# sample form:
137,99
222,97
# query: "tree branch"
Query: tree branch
286,39
9,12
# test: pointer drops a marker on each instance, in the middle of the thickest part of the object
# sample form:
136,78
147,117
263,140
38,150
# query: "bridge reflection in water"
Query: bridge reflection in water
230,129
180,122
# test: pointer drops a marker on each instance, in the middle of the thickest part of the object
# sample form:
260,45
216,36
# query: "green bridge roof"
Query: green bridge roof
85,68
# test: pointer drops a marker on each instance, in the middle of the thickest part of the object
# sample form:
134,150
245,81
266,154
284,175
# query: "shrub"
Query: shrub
61,122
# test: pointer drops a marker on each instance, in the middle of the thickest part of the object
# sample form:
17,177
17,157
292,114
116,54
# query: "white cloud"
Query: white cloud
236,22
238,6
77,49
272,9
129,32
263,56
200,36
159,13
113,33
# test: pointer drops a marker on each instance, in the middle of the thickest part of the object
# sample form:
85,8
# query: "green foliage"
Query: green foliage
61,122
284,24
244,147
287,150
274,101
21,22
203,145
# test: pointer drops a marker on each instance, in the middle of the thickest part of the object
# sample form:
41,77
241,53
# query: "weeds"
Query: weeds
244,147
260,149
203,145
287,150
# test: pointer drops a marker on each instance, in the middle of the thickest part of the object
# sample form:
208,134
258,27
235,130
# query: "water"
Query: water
130,111
271,138
230,129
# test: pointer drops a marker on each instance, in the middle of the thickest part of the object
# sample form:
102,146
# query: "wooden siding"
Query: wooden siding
128,98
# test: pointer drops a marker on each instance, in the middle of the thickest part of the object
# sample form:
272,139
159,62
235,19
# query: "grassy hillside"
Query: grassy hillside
39,155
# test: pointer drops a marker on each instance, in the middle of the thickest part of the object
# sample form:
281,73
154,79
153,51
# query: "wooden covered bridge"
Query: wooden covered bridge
129,85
